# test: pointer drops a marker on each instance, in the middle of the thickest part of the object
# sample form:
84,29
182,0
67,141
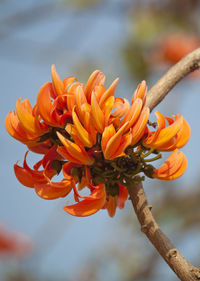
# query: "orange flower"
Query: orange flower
13,244
97,200
117,132
116,201
173,167
29,177
90,204
174,47
97,141
176,135
24,124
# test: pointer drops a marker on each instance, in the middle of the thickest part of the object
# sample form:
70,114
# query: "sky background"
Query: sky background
33,36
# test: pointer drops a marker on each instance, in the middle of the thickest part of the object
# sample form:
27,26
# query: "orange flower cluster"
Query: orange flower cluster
13,243
98,141
174,47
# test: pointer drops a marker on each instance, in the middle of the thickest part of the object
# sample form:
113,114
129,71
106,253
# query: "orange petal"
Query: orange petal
111,205
44,103
108,133
30,123
32,176
40,148
68,81
80,100
114,142
15,129
140,92
97,78
110,92
82,133
125,142
173,167
50,156
140,126
107,108
90,205
23,176
122,107
183,135
99,91
65,154
89,126
123,196
57,83
76,151
53,191
133,113
71,129
161,120
165,135
97,114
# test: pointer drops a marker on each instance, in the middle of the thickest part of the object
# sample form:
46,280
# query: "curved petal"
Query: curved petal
164,135
54,190
23,176
57,83
124,143
44,103
82,133
97,114
97,78
133,113
123,196
114,142
122,107
183,135
15,129
76,151
90,205
80,100
108,133
108,93
111,205
68,81
30,123
140,126
29,177
173,167
140,92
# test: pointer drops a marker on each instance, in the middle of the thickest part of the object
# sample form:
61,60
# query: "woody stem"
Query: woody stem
177,72
182,268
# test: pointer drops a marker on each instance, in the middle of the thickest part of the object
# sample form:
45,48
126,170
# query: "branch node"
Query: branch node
144,228
172,254
196,273
194,67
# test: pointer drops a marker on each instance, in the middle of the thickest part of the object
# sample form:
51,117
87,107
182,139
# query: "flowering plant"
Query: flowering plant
98,141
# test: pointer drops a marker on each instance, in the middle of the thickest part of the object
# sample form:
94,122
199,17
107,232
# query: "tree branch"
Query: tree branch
185,66
183,269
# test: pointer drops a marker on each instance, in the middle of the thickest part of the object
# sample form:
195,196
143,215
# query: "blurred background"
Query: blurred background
133,40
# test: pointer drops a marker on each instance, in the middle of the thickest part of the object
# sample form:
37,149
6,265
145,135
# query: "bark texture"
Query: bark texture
183,269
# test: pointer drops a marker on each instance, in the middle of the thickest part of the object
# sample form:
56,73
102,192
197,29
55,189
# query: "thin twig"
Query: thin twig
183,269
185,66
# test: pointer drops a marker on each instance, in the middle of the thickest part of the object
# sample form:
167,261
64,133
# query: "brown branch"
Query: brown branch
183,269
185,66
